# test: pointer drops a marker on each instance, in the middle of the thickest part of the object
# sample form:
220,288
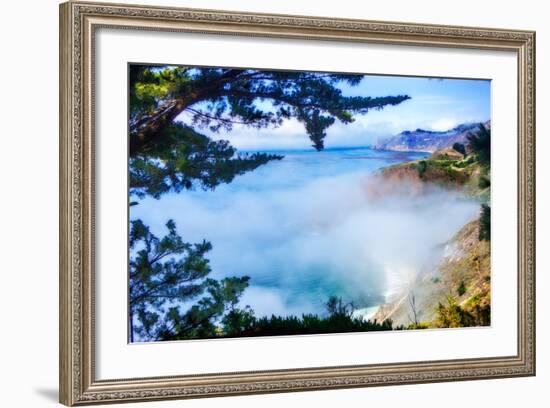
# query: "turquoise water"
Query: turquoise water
299,167
304,229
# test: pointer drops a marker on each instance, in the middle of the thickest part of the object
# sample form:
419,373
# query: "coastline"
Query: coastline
425,294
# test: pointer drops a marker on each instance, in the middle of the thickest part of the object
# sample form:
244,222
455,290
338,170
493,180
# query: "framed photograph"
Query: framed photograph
256,203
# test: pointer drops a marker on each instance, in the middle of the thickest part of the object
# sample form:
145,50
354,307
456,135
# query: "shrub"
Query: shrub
479,307
480,143
452,315
422,166
417,326
460,148
484,182
340,319
463,163
461,289
485,223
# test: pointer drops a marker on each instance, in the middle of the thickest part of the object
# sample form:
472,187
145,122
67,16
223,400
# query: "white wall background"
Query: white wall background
28,206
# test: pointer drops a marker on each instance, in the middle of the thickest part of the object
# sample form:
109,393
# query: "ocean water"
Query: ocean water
300,167
304,229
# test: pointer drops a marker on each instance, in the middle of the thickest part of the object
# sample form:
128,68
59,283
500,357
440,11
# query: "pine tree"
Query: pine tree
480,144
170,293
485,223
166,273
166,155
459,147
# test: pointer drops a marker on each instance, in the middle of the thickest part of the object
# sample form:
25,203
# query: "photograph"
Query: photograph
254,202
269,202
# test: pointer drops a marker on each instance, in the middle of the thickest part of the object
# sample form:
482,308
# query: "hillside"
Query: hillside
427,140
462,278
455,290
445,168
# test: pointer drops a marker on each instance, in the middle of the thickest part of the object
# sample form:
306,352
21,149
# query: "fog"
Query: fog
306,228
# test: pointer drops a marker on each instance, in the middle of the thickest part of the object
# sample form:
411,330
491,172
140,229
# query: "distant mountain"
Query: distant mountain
427,140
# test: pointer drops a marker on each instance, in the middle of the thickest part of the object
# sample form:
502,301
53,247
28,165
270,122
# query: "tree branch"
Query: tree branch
219,119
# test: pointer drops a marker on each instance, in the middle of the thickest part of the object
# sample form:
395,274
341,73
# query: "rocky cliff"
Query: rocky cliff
455,290
461,278
427,140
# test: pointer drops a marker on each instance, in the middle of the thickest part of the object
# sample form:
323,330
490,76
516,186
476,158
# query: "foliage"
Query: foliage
422,166
480,144
219,98
168,275
166,272
479,307
440,171
418,326
459,147
452,315
166,155
340,319
461,289
484,182
194,161
464,163
238,322
485,223
443,164
171,295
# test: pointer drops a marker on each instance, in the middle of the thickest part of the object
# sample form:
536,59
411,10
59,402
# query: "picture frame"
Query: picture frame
79,24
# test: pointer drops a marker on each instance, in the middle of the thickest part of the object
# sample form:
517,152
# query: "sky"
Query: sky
435,104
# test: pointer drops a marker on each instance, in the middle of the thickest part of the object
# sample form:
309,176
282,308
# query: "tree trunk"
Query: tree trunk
144,131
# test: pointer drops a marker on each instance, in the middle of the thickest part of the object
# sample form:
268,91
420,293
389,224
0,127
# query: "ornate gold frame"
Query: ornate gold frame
78,21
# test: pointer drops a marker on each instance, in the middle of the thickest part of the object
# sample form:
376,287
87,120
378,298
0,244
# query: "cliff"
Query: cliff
461,278
455,290
445,169
423,140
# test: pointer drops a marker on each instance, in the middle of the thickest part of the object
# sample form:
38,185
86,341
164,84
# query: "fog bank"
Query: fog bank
305,229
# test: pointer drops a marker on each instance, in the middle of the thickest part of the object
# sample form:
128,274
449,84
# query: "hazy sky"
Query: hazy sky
435,105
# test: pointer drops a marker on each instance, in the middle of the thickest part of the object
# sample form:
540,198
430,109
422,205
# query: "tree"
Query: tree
480,144
422,167
166,155
459,147
238,322
184,159
340,319
452,315
169,275
485,223
414,309
472,314
461,289
166,273
484,182
221,97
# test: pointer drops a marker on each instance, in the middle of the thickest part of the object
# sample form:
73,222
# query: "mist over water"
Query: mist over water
304,228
